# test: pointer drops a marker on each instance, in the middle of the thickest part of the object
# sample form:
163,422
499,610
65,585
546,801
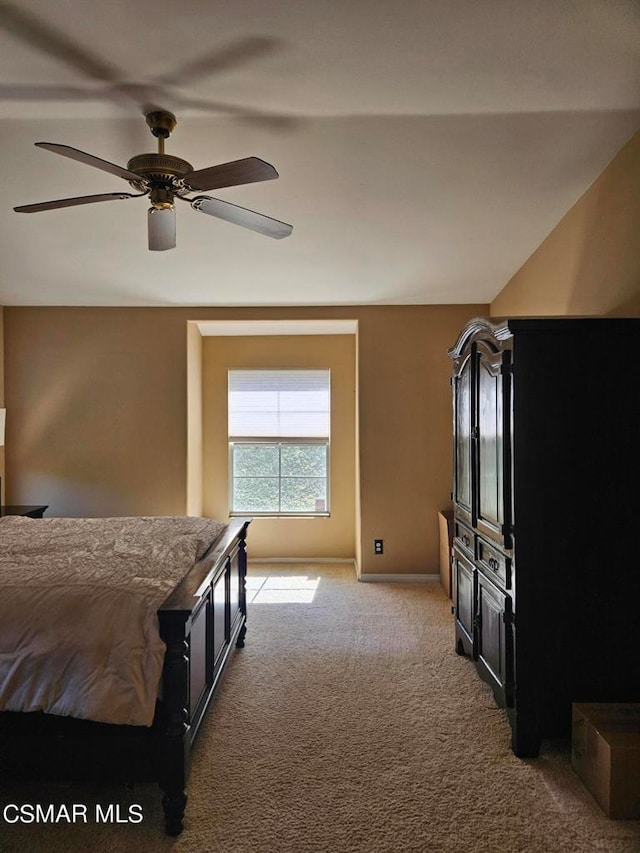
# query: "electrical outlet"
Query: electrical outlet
378,546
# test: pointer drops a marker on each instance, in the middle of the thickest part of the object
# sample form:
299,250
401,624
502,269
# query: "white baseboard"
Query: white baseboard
349,561
393,578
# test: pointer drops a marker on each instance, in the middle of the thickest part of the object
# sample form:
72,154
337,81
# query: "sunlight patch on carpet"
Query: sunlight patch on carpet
279,589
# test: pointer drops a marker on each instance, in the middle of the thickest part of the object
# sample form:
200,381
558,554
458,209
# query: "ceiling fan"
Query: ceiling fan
165,178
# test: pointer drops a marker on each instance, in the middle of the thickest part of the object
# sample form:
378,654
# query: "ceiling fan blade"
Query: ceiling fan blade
246,171
241,216
90,160
55,43
72,202
162,228
147,98
278,121
47,93
236,52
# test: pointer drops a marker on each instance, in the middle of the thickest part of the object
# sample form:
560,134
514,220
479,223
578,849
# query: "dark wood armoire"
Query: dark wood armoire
546,562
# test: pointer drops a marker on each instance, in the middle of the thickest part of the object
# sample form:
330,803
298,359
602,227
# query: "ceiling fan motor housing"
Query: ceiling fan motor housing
160,170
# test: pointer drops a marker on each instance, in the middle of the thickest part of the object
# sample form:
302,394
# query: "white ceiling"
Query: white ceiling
426,147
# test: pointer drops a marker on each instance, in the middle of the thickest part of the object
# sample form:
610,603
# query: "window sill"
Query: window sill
283,515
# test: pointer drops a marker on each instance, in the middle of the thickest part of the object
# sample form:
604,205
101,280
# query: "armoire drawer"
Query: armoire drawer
464,538
494,563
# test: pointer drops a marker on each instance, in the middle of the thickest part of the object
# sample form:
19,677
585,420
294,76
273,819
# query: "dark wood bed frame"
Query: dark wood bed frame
200,622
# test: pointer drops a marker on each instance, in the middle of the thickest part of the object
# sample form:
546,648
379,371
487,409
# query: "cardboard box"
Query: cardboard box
445,523
605,753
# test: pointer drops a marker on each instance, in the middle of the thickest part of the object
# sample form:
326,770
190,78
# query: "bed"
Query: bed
114,636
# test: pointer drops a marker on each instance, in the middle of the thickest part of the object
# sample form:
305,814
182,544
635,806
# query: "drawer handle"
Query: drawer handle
493,564
466,540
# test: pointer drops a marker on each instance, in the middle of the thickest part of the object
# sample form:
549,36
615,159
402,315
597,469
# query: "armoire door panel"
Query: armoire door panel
492,626
462,485
464,600
492,510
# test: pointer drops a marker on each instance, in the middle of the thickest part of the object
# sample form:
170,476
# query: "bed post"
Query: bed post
174,769
242,569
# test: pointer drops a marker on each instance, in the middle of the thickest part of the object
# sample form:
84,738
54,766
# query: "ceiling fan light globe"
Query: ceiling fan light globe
162,228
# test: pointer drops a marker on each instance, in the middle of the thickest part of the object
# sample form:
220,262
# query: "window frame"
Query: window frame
279,442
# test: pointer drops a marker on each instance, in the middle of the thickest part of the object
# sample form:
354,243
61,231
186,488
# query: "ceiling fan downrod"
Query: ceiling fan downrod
162,124
161,173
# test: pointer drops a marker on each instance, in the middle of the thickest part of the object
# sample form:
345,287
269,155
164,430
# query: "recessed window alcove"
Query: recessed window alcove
214,348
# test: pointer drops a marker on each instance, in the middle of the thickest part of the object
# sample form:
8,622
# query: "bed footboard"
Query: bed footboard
200,622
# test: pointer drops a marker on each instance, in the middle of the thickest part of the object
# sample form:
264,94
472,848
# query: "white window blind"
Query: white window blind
279,403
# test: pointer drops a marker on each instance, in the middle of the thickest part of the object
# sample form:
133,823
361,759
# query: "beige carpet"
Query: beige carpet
349,725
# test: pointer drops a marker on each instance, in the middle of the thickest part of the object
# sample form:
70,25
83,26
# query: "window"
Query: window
279,442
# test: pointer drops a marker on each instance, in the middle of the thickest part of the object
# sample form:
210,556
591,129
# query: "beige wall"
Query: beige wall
405,431
98,403
326,537
194,421
2,397
590,263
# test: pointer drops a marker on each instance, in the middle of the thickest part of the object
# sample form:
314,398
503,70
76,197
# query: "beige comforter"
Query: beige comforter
78,599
